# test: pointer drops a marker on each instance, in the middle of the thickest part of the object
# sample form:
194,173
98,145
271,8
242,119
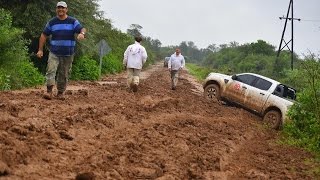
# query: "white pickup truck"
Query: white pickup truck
267,97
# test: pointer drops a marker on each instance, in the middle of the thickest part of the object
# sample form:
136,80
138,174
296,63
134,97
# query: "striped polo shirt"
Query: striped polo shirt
62,32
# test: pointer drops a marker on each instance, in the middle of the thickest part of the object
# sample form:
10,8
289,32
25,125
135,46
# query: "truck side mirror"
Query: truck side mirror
234,77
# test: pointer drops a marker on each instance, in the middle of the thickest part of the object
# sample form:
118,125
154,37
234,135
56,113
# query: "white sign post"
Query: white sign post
104,49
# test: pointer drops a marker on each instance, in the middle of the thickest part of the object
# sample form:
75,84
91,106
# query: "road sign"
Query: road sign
104,49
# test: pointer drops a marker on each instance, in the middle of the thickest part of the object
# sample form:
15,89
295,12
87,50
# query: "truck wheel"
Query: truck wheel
212,92
272,119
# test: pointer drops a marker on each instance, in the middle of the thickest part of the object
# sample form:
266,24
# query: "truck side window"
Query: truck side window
246,78
278,91
262,84
291,93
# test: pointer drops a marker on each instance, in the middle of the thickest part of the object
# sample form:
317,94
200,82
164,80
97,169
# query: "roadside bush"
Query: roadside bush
16,71
111,64
85,68
25,75
304,128
19,75
4,81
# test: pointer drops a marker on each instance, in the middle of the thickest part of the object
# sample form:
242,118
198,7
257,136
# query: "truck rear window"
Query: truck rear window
285,92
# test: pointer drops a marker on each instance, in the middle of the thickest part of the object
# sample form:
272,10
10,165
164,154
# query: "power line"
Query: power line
310,20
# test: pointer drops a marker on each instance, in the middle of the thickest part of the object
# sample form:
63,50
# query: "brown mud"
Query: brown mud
105,131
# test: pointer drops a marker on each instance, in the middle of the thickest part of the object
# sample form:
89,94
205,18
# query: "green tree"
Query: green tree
135,30
16,71
212,47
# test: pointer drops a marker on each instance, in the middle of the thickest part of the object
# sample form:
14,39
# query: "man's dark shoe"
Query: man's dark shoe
61,96
48,95
134,88
173,88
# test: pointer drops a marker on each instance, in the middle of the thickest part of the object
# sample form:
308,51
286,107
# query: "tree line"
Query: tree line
29,17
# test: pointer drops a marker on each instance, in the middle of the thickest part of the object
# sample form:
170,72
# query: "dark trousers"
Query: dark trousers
174,78
58,68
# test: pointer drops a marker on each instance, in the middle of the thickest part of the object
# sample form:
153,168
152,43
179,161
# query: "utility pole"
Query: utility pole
284,30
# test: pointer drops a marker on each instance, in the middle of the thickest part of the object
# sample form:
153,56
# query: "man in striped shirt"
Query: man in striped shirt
62,29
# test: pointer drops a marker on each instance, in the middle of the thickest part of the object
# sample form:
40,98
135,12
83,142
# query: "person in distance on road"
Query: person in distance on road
175,64
62,46
134,58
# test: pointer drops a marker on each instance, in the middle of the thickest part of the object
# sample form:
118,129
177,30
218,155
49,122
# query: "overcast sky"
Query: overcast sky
218,21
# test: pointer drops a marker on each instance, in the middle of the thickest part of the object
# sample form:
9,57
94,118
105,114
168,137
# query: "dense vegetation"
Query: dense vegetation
304,129
19,68
87,59
16,70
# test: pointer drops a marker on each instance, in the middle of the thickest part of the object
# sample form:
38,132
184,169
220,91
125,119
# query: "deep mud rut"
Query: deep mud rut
157,133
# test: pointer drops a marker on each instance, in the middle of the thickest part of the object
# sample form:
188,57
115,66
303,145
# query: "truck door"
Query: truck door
257,94
237,88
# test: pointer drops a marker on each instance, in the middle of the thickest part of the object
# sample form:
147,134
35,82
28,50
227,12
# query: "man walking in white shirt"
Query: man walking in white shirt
134,58
175,64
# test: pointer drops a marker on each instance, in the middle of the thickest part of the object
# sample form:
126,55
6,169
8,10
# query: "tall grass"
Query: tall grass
199,72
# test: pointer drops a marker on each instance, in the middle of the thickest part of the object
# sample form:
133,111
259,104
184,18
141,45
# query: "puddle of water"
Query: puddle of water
107,82
75,88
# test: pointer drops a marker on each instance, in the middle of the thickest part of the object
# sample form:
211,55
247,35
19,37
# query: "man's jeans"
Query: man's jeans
133,76
59,69
174,78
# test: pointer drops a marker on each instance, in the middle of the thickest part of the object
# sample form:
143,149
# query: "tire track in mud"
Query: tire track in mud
156,133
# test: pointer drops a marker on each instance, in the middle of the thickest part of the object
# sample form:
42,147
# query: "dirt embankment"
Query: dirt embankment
110,133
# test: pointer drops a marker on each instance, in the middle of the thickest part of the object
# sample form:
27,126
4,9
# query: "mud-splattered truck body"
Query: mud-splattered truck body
265,96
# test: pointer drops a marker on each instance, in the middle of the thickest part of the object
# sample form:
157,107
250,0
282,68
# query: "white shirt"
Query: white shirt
176,62
135,56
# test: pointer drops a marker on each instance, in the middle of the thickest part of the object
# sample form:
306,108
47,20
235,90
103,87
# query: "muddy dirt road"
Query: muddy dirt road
110,133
